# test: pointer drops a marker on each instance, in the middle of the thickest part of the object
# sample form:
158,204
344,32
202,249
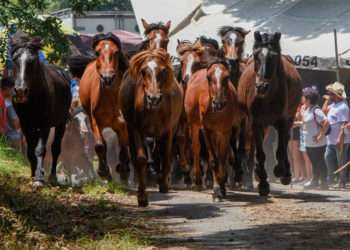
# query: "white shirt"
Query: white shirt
313,118
337,115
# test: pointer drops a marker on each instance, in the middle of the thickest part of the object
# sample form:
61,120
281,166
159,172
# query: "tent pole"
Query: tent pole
336,55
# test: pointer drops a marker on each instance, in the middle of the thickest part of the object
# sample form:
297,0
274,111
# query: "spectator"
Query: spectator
315,125
338,143
304,162
12,129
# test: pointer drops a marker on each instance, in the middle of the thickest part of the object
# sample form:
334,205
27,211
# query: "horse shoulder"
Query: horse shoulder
246,86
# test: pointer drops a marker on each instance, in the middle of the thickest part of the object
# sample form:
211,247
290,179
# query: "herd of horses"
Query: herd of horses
209,114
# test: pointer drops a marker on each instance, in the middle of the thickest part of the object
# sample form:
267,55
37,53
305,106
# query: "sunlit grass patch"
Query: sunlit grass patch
97,188
11,161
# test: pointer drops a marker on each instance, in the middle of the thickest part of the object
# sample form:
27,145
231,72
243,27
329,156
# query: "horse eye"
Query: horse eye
209,78
97,53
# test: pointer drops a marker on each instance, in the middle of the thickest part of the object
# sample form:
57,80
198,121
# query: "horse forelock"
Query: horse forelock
156,26
267,41
188,46
24,40
138,61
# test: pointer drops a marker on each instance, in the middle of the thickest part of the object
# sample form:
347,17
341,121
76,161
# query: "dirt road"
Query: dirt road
290,218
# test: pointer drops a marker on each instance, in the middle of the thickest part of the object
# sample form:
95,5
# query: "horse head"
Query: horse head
190,57
110,59
152,70
218,75
25,57
78,124
232,42
157,35
267,59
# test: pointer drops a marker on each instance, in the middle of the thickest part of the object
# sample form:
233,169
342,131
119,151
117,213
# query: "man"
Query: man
12,128
338,144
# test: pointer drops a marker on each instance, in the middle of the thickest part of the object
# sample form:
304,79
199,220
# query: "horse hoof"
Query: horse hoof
53,180
37,184
218,194
187,179
278,171
163,188
286,180
142,201
264,188
198,188
104,174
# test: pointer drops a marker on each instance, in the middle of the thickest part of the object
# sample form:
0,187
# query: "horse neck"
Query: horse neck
277,84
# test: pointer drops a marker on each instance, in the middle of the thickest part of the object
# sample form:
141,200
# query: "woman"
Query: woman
315,126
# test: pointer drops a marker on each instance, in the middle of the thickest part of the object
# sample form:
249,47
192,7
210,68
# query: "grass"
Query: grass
95,216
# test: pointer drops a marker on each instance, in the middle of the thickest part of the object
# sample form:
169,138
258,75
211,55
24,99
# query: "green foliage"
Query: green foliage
11,161
103,5
26,15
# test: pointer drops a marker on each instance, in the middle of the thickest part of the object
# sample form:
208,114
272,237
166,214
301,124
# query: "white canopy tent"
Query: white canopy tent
306,25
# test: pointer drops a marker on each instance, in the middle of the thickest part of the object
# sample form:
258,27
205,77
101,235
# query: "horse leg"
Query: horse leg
140,160
166,150
123,167
196,152
100,149
246,149
207,158
282,169
55,151
182,146
264,187
32,141
40,151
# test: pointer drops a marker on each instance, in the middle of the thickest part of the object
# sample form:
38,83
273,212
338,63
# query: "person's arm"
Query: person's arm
341,137
323,130
325,106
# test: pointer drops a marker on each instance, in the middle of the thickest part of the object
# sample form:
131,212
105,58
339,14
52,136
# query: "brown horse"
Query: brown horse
270,89
151,102
211,103
233,39
157,35
99,93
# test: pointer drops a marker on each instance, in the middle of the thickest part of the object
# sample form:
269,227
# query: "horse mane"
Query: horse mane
225,29
208,40
138,60
122,60
185,46
24,40
267,39
156,26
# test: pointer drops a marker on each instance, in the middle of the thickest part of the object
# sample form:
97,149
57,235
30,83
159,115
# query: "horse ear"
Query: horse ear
257,36
145,24
277,36
168,24
178,41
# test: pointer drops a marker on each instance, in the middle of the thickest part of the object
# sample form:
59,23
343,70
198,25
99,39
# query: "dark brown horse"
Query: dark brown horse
151,102
270,89
42,100
211,103
99,96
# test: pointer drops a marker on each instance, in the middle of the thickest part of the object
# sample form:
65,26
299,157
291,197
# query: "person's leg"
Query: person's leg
296,160
331,162
312,155
322,167
307,165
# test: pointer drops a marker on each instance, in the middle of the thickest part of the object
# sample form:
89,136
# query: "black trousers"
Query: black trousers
319,168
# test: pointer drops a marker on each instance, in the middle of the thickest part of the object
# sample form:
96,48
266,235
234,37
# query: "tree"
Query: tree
104,5
25,15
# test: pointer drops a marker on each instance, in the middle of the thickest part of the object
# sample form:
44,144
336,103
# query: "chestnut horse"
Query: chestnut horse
211,103
233,39
99,93
151,101
157,35
270,89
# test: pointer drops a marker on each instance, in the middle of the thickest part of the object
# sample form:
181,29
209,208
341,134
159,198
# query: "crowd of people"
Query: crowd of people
320,141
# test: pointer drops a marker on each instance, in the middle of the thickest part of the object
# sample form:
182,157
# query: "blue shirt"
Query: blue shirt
74,87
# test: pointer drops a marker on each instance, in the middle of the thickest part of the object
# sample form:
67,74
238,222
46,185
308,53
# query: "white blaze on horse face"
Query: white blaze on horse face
158,39
106,48
233,37
232,51
152,65
217,74
188,71
23,63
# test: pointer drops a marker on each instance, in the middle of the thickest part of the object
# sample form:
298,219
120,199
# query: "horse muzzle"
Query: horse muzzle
107,79
20,95
153,101
217,106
